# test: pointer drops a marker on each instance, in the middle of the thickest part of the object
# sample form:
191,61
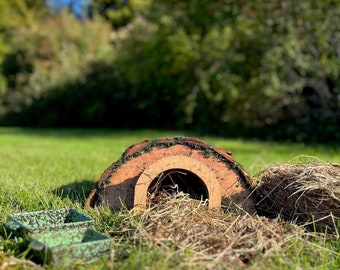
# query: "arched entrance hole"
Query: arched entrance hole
174,181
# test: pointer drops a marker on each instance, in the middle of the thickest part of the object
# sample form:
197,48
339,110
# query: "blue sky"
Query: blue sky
78,7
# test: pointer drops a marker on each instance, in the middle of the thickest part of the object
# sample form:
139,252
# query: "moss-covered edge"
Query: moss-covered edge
206,151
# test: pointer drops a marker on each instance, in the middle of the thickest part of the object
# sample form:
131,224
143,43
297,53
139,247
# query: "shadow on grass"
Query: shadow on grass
77,191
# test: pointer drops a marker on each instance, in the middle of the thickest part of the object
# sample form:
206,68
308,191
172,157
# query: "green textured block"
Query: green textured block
69,245
23,223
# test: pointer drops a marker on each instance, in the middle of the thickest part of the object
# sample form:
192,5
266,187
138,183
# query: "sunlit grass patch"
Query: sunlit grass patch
51,169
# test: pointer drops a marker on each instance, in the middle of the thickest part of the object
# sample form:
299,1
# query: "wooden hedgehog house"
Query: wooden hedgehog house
148,169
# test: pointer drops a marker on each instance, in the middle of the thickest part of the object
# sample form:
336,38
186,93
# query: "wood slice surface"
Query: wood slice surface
127,181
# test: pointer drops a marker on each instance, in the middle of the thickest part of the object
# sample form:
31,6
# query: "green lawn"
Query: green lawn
50,168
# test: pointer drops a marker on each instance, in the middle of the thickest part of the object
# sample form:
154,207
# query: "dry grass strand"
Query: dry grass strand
212,234
305,192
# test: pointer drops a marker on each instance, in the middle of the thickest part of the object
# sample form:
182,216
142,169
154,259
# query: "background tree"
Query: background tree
119,12
246,68
16,17
238,65
57,50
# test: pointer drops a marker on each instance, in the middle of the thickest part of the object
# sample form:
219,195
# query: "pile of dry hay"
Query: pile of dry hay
213,235
305,192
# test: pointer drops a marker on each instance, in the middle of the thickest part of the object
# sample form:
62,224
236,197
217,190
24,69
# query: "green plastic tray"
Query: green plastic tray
69,245
38,221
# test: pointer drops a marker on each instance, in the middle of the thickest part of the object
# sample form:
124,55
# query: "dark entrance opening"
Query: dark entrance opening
174,181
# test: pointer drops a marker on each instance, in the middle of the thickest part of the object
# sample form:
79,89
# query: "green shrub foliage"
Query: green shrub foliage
254,67
45,59
246,68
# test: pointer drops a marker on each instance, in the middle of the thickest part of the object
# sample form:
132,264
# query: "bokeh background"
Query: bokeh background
266,69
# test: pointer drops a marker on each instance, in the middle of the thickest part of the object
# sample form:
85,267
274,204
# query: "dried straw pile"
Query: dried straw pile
305,192
213,235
